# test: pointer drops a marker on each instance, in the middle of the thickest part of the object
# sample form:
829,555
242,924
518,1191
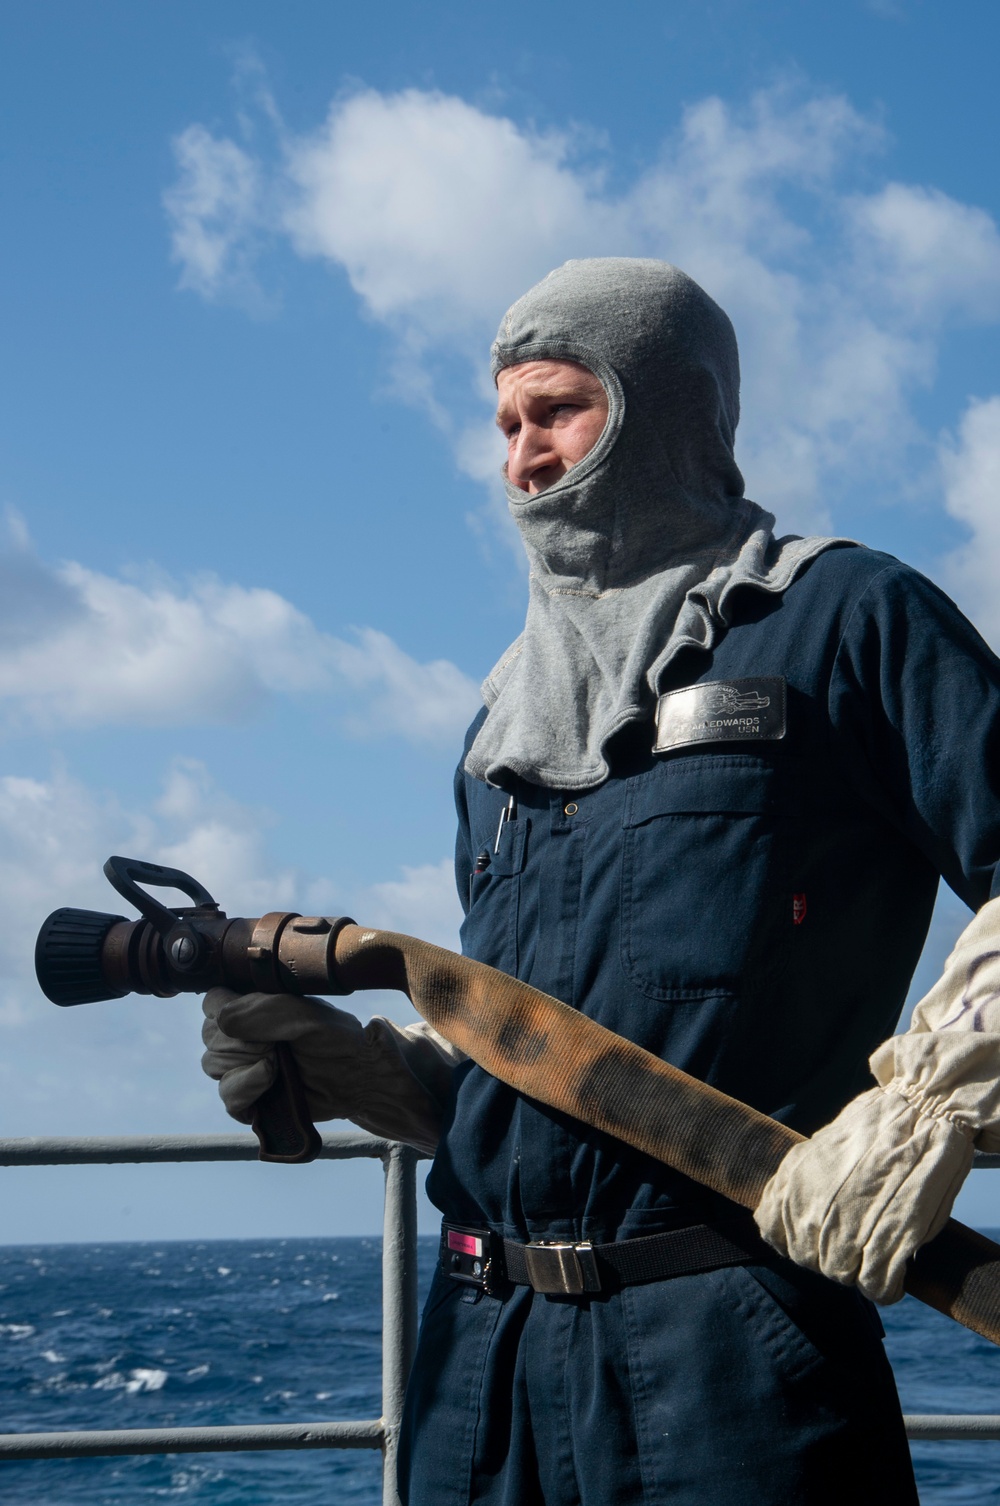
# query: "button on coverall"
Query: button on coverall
753,913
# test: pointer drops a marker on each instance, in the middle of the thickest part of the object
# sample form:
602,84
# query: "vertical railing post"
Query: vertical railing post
399,1301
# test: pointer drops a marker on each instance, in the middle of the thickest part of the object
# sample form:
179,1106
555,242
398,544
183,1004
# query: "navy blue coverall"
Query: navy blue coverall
752,913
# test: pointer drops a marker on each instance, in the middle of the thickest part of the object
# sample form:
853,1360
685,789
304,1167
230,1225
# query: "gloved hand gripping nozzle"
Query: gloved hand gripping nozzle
534,1043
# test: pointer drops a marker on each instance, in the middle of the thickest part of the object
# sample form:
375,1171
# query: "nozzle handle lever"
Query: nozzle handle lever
126,874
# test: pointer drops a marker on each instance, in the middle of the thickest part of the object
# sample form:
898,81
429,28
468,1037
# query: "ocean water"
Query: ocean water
150,1335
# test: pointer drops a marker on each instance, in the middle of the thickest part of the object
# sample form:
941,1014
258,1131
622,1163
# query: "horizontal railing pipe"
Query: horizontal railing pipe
941,1426
278,1435
920,1427
107,1150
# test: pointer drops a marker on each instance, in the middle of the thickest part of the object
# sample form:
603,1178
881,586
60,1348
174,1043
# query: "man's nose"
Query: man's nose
532,452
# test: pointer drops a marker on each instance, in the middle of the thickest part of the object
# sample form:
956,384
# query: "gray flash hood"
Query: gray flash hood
635,552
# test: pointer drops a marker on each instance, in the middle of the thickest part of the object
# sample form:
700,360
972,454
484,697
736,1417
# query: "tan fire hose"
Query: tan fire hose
554,1054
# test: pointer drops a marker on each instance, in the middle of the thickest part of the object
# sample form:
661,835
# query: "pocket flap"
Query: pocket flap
730,785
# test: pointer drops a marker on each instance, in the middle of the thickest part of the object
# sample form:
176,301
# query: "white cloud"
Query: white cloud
425,702
932,255
440,213
214,209
80,648
971,467
437,211
424,903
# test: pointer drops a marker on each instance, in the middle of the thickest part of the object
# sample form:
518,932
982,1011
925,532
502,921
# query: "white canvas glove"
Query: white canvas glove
864,1193
389,1080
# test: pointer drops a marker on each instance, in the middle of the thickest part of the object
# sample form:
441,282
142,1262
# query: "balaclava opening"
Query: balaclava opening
634,551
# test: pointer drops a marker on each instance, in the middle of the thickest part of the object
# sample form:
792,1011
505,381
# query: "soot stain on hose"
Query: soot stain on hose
518,1043
717,1144
438,987
618,1091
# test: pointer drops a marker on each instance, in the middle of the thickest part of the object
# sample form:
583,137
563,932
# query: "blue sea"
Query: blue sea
189,1334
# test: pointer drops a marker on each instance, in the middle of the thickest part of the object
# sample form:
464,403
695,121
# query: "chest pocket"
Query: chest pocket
489,931
704,876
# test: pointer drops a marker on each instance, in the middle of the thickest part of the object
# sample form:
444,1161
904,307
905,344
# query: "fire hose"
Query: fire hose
534,1043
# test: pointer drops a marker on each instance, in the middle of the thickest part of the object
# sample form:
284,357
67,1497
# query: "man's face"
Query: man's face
552,413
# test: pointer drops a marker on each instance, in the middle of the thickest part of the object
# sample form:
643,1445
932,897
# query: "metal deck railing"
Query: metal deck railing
399,1304
399,1313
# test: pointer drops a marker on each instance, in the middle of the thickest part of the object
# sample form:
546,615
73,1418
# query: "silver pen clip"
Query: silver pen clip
509,813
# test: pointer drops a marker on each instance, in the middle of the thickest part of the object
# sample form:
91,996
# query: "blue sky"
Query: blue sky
255,558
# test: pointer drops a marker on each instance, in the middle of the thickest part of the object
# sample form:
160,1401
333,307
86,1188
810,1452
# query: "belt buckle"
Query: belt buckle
559,1268
467,1255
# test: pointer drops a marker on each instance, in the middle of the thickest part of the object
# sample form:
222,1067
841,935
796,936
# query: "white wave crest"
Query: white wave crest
136,1382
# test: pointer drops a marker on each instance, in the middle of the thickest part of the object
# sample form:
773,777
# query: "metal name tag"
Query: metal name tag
721,711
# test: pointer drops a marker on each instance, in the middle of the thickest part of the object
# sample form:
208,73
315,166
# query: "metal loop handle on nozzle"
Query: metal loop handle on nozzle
126,874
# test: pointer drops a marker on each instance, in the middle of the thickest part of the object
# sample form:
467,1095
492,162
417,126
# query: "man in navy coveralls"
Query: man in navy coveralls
708,802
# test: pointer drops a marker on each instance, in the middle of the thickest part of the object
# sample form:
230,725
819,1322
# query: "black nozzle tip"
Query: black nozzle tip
68,957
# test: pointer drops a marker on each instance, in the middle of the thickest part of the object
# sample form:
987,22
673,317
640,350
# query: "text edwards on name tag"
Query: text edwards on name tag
721,711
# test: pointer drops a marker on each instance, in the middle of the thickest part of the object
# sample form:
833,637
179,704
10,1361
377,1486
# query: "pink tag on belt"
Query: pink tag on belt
466,1244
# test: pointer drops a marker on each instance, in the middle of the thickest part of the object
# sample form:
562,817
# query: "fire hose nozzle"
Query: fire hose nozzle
84,957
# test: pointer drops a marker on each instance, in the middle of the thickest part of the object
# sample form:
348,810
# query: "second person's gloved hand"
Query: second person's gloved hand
388,1080
863,1194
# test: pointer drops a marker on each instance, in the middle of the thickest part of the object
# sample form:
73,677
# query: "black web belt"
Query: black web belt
574,1268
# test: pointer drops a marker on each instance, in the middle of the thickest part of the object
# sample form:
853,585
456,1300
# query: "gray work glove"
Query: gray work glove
390,1081
862,1195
